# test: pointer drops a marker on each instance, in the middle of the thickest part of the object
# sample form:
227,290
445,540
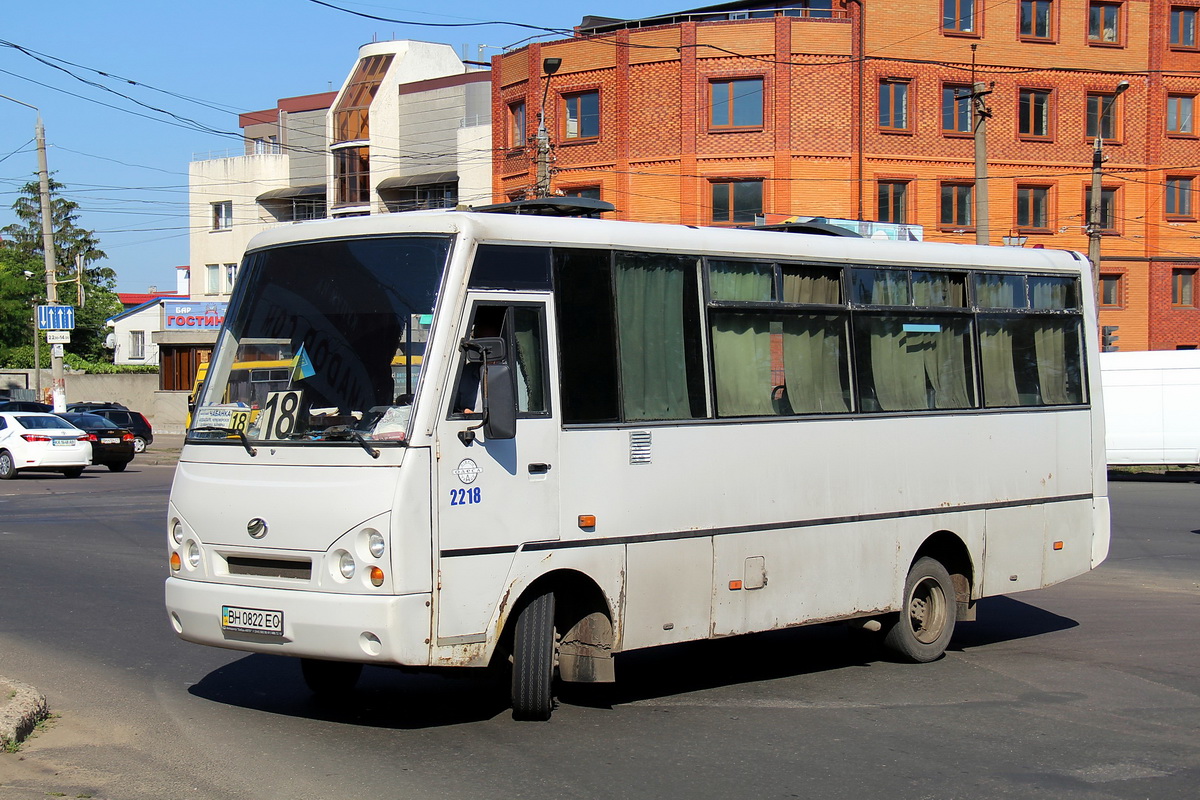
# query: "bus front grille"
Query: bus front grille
300,569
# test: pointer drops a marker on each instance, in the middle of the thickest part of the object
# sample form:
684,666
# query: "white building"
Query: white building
409,128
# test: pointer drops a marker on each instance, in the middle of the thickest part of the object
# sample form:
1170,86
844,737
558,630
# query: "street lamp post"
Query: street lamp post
549,67
58,389
1094,222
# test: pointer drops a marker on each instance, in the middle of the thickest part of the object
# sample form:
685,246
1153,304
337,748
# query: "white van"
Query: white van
1151,400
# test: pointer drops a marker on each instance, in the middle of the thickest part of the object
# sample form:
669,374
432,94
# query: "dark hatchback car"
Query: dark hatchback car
143,432
112,445
25,405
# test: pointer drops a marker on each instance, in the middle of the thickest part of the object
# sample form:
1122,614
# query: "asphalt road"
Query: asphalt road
1088,689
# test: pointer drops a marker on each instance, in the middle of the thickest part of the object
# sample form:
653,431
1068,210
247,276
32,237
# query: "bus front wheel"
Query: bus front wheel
922,629
533,660
329,678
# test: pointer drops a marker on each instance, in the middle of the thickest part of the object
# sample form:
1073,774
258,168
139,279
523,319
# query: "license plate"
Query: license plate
252,620
110,441
63,442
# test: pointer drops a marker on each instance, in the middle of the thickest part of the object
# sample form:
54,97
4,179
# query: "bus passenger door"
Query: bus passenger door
494,495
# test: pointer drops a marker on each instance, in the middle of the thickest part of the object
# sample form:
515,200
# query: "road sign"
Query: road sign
56,318
58,337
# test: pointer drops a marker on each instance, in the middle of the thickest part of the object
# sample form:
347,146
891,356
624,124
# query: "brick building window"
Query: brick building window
1104,23
1111,291
956,205
1102,115
1183,288
1183,28
893,104
736,202
1180,114
736,103
516,124
958,16
1033,207
1037,19
1034,113
1108,207
956,108
893,201
581,119
1179,197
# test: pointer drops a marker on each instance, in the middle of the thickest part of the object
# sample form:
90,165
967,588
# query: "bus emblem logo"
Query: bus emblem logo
467,471
257,527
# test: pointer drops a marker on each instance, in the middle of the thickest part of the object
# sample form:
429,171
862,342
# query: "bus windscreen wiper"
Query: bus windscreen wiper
342,432
238,432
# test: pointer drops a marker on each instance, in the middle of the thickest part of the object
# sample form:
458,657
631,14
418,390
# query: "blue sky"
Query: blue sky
126,165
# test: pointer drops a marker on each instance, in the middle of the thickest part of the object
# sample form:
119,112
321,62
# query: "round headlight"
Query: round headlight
193,555
375,543
346,565
177,531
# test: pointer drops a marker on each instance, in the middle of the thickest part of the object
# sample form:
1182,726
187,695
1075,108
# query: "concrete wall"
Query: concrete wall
307,147
167,411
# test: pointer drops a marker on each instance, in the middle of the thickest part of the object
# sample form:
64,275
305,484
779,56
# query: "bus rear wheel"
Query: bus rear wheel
922,629
329,678
533,660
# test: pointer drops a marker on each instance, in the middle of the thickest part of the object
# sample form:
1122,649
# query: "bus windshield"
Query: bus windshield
325,341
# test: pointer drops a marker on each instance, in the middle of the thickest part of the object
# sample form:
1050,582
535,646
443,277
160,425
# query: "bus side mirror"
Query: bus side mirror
500,408
500,390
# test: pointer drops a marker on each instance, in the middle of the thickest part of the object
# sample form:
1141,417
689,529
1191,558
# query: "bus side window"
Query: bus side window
523,330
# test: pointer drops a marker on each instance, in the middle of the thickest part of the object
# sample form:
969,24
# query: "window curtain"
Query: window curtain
650,323
897,364
999,370
1050,342
814,347
946,365
741,342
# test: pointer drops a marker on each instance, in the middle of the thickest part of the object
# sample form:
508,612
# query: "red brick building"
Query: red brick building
861,110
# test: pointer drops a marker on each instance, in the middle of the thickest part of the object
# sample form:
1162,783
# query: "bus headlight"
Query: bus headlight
346,565
193,555
177,531
375,543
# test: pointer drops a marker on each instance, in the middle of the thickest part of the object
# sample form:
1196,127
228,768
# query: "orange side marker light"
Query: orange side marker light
1058,545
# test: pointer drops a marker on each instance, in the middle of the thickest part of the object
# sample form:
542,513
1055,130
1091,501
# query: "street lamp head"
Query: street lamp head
1122,86
551,65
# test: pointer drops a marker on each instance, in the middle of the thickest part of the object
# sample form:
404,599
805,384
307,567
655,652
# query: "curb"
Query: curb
21,708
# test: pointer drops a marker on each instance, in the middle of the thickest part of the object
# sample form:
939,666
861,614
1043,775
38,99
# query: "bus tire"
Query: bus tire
922,629
329,678
533,660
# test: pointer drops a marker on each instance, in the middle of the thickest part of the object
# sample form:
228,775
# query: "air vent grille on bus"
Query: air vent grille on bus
639,447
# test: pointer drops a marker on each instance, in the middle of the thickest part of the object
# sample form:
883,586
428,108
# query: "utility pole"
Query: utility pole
549,67
979,117
1094,222
58,391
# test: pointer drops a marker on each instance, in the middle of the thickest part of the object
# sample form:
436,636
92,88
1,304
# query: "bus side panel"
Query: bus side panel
1013,557
668,592
412,525
1065,556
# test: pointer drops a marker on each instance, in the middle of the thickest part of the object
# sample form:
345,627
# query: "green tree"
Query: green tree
81,280
22,286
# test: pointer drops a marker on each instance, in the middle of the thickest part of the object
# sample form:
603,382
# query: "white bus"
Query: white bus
625,435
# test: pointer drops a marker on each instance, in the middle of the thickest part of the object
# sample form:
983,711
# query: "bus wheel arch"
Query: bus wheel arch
951,552
936,586
583,626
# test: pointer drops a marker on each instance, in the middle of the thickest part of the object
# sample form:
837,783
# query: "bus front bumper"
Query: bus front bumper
337,627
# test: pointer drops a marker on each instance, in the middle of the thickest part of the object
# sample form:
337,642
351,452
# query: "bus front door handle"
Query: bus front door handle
538,468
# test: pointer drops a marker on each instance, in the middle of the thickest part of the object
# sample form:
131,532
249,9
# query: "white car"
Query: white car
44,442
